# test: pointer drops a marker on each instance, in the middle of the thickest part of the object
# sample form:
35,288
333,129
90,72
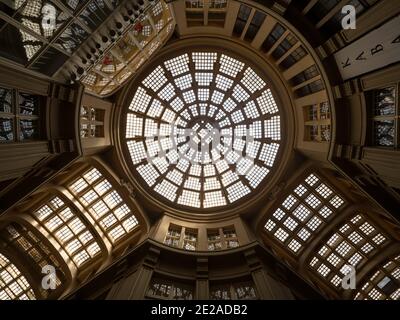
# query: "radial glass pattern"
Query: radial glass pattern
203,129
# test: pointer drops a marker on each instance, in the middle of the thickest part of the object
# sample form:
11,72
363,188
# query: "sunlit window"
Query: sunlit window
25,241
203,130
383,284
13,285
351,245
105,205
69,230
307,209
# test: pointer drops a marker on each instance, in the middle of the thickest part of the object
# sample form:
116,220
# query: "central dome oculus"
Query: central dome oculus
203,130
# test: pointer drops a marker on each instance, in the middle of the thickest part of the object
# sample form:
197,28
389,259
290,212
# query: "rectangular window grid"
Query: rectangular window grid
169,290
104,204
384,284
234,291
69,230
13,285
351,245
308,208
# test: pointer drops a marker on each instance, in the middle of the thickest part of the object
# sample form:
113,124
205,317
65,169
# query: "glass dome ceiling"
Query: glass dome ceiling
203,130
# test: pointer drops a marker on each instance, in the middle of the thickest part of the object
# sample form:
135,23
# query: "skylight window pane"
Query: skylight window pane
267,103
204,78
204,60
134,126
167,93
273,128
140,101
156,79
223,83
230,66
166,189
189,198
252,81
178,65
13,285
184,82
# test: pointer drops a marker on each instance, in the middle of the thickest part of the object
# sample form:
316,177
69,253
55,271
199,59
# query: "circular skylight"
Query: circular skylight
203,130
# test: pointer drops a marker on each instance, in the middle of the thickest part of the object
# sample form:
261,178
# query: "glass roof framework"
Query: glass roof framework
13,285
203,130
43,34
124,59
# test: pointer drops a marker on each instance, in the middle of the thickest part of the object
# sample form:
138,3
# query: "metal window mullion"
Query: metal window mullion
222,239
20,26
278,42
54,38
181,237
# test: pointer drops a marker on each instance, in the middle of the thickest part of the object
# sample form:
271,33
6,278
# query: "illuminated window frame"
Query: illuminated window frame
182,237
384,284
351,244
105,205
13,285
60,220
384,114
317,122
222,238
24,240
305,211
